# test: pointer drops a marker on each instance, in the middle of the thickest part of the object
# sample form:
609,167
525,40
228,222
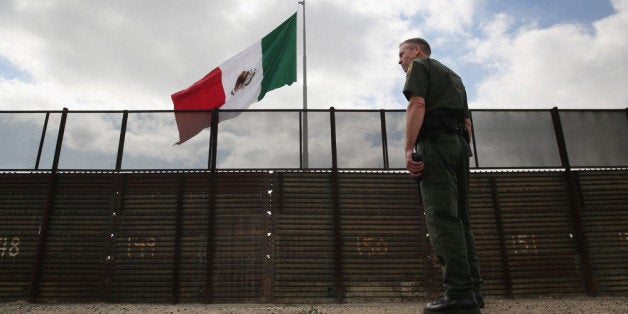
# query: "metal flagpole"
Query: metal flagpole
305,128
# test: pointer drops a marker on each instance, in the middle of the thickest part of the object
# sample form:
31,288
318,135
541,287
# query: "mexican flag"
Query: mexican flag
240,81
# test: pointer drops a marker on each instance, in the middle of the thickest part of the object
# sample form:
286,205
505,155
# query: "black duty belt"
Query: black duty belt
433,125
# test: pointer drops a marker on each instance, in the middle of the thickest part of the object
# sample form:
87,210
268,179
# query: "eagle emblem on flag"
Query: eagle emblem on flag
244,79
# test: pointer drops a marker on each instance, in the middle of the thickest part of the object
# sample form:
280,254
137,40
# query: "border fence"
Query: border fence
90,212
272,139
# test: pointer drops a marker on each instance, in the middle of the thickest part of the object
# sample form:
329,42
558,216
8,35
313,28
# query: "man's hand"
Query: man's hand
415,168
414,120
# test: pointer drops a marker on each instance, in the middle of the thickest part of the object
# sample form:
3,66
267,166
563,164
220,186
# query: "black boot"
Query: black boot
480,299
446,305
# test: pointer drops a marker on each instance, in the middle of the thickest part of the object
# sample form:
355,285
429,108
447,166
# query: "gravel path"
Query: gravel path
548,305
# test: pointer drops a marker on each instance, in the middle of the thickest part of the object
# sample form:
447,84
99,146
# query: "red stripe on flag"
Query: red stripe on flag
206,94
191,123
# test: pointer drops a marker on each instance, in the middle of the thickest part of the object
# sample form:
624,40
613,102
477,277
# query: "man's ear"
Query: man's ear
418,52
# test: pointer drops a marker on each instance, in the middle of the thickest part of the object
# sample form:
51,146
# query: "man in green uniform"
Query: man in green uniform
439,127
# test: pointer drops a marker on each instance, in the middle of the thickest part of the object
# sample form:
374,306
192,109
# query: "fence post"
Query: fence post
502,238
55,162
41,141
382,116
45,217
574,204
125,117
560,140
209,249
336,209
475,150
300,140
334,151
213,141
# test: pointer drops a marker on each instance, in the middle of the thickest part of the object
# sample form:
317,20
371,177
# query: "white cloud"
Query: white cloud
132,55
450,16
565,65
121,55
17,95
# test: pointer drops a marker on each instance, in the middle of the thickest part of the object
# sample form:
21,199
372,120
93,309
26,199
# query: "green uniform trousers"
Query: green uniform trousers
445,194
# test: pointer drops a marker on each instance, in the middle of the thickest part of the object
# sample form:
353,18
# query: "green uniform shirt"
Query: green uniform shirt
441,88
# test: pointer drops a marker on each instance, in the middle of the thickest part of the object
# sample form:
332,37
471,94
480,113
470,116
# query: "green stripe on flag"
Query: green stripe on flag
279,56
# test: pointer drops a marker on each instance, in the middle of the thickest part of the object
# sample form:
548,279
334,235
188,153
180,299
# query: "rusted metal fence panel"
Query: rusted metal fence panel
155,263
485,224
143,259
604,197
297,236
381,227
22,199
539,237
239,257
197,208
304,238
382,238
77,236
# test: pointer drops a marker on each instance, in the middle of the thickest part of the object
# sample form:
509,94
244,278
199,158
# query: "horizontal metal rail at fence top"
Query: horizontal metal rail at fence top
273,139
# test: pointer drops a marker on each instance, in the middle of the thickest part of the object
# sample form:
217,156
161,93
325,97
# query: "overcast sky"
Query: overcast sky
126,54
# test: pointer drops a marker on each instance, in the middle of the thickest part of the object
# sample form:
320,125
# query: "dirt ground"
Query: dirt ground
546,305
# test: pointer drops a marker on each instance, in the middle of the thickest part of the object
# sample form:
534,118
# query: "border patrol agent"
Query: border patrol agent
438,127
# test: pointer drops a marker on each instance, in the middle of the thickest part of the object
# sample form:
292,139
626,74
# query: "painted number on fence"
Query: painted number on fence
141,247
524,244
371,246
9,247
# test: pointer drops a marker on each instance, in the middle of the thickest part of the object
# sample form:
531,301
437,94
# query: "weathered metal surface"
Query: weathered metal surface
22,199
540,246
304,238
263,236
383,237
78,235
604,198
485,224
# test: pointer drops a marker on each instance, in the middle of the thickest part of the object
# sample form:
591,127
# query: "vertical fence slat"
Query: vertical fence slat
177,240
502,238
209,250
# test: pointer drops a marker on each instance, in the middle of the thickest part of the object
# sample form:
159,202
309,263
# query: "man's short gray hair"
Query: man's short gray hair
422,43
